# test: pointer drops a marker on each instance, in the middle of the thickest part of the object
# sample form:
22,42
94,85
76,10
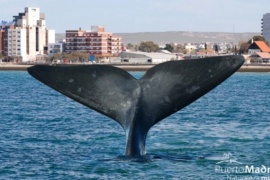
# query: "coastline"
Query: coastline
136,67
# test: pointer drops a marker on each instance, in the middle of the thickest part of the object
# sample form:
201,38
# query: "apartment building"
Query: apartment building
4,27
266,27
96,42
116,44
28,37
17,42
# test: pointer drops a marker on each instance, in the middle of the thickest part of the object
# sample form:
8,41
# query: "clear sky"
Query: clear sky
146,15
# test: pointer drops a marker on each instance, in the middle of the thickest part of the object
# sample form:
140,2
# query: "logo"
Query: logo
233,169
228,158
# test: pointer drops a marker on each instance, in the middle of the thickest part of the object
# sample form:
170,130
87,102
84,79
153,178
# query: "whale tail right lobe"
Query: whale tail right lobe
138,104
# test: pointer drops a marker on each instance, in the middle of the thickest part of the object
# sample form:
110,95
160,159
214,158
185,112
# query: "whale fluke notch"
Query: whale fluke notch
138,104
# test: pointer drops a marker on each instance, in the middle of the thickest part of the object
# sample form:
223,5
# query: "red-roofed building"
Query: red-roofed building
259,52
260,57
97,42
258,46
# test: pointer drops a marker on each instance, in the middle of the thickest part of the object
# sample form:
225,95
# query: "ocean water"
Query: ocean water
223,135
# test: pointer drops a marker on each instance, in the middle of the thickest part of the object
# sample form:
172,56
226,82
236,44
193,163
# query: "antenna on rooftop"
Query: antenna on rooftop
233,35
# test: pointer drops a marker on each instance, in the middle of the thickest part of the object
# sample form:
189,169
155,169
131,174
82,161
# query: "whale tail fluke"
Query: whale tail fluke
138,104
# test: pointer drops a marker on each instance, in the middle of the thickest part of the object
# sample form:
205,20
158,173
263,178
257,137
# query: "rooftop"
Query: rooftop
263,46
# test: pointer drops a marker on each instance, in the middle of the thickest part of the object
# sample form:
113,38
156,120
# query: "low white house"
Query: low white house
260,57
55,48
189,47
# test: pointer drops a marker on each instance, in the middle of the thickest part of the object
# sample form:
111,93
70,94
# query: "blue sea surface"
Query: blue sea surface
45,135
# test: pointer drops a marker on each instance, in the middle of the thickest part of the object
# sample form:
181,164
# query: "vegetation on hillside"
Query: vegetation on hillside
132,47
148,46
169,47
74,56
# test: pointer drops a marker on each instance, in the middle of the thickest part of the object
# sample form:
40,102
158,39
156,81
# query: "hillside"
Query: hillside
179,37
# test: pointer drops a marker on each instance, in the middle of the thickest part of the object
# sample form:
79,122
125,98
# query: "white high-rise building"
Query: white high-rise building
266,27
17,43
34,38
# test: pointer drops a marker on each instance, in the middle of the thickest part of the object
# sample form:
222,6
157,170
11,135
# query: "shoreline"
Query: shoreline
136,67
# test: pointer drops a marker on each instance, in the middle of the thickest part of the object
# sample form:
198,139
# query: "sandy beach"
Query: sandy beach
131,67
13,67
252,68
